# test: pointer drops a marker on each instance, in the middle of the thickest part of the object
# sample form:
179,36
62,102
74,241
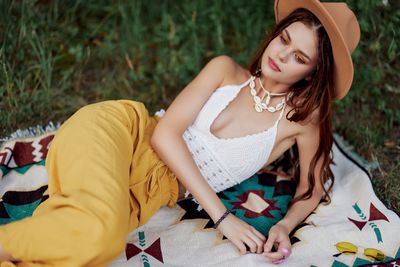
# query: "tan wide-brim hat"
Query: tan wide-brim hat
343,30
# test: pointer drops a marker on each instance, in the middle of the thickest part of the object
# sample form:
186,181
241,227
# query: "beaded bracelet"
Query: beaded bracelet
222,217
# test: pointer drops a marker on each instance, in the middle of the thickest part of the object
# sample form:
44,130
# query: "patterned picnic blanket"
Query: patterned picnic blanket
354,222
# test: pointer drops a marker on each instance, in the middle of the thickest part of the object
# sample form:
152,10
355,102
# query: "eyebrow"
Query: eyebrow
290,39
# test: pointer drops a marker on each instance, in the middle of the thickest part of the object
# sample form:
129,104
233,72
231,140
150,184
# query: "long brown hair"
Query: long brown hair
307,96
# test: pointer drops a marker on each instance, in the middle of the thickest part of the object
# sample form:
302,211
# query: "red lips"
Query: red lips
273,65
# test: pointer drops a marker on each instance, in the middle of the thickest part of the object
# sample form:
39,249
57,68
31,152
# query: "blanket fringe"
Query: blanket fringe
31,132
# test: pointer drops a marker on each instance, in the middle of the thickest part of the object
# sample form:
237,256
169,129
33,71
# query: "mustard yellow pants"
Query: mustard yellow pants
104,181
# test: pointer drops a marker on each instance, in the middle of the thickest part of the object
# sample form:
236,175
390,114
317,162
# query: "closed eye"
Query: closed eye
283,40
288,39
299,59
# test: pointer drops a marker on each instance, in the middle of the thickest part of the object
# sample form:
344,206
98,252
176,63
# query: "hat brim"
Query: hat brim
343,64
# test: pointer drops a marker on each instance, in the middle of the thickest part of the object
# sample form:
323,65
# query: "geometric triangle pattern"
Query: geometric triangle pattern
18,212
260,201
20,156
21,170
18,205
131,250
19,153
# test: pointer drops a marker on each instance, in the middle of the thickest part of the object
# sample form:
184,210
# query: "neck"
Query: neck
273,86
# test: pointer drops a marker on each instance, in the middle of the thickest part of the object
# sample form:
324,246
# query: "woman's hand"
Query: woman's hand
241,234
278,237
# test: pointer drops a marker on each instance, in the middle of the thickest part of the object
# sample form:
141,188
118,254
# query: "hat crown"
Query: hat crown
346,22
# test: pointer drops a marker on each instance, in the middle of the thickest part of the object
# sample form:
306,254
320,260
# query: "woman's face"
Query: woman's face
292,55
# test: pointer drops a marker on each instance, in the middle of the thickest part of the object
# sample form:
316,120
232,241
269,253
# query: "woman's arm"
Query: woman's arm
307,141
167,141
167,138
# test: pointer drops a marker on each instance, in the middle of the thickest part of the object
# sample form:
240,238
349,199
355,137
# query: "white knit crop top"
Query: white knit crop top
225,162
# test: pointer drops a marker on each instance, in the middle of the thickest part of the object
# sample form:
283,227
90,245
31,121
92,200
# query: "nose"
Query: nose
284,53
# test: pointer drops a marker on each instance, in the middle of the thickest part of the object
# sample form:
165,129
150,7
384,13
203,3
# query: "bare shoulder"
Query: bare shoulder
224,60
186,106
218,70
228,69
235,73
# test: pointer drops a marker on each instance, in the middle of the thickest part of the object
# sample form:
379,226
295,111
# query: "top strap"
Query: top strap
282,112
245,83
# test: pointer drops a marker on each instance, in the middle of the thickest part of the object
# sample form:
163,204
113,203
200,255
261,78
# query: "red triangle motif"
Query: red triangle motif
359,224
375,214
131,251
155,250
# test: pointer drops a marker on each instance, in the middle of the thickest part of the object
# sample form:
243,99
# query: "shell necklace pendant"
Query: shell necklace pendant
259,105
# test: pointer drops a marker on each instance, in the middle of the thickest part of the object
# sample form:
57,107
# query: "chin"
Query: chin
267,72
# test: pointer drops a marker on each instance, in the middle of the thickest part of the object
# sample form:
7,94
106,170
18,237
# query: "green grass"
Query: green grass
56,56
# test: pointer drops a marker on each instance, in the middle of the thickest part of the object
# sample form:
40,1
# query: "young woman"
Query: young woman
111,166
